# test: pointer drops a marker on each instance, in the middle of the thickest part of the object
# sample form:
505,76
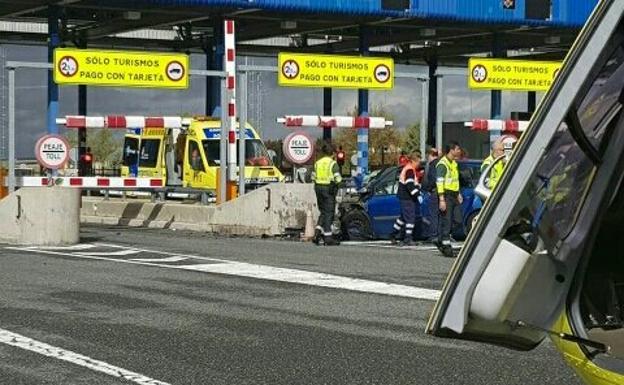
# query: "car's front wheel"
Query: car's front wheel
356,226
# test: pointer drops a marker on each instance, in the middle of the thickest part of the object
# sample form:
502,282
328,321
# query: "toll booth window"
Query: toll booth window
195,159
148,156
550,202
130,151
603,101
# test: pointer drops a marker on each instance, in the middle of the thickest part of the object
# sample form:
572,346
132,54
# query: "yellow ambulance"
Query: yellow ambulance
190,157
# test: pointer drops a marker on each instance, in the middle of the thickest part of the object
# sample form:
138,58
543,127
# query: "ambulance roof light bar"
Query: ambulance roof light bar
334,121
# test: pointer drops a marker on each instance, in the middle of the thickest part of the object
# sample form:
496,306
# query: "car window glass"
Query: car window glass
212,151
148,156
195,159
603,100
130,151
602,292
549,204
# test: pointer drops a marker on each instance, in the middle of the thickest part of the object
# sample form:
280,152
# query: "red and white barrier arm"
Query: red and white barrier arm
88,182
123,121
497,125
334,121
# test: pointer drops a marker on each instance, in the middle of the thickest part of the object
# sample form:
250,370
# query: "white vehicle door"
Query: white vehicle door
512,277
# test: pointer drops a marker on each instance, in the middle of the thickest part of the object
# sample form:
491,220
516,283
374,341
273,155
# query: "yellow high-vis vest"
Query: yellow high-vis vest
323,171
450,181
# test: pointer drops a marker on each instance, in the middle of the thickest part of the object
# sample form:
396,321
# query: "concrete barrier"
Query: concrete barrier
40,216
270,210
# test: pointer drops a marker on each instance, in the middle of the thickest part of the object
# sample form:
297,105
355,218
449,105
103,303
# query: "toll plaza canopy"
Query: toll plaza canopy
412,31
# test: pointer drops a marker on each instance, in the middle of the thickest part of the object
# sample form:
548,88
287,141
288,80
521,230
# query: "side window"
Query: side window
603,100
389,185
212,150
130,151
148,156
195,159
550,202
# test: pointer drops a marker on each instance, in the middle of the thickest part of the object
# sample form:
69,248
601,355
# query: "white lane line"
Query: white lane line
80,246
22,342
164,260
112,253
312,278
279,274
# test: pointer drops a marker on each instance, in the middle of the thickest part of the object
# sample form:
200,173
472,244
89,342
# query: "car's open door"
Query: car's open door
510,281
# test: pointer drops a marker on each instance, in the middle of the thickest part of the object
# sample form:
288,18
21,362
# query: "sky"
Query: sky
266,100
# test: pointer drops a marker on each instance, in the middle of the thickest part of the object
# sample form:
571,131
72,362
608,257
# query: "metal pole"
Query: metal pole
531,102
423,116
242,131
496,95
440,112
327,111
53,91
11,175
433,102
362,132
224,145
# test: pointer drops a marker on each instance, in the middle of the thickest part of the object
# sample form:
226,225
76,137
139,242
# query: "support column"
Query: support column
82,131
433,102
531,102
498,51
214,61
327,111
362,132
439,127
423,116
53,92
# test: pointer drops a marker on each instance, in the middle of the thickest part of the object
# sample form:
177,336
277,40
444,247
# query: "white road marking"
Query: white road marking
248,270
312,278
167,259
22,342
80,246
112,253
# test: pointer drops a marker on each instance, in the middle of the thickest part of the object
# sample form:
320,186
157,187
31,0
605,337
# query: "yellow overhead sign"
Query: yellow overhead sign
313,70
511,75
120,68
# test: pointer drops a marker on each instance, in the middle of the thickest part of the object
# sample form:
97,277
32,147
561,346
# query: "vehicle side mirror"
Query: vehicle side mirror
482,190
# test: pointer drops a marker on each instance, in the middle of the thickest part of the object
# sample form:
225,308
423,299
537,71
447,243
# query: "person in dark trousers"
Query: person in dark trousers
409,201
326,177
430,222
449,197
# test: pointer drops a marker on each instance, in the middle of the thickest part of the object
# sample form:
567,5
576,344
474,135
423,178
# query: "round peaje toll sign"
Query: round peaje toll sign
52,151
298,147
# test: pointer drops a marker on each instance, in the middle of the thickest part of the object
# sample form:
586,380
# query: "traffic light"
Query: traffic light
86,163
340,157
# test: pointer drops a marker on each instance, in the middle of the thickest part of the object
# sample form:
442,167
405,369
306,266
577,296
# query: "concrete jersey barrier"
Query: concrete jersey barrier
40,216
268,211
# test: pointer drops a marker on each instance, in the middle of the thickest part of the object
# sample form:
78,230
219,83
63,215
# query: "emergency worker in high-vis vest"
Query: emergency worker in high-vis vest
409,201
498,150
449,197
326,177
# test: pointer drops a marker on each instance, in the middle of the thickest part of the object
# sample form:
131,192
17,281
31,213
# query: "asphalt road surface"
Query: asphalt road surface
144,306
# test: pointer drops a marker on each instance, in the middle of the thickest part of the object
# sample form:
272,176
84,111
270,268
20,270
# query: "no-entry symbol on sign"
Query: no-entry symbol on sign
52,151
298,148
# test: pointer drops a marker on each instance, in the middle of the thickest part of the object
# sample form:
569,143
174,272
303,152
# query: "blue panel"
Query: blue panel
215,133
565,13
